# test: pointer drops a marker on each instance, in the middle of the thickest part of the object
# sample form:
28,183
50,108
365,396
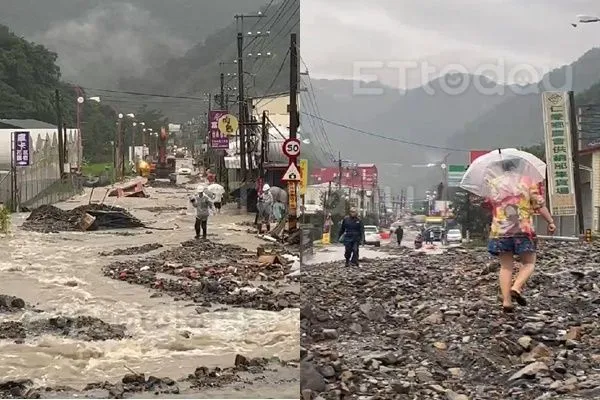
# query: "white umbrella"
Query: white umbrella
516,167
216,189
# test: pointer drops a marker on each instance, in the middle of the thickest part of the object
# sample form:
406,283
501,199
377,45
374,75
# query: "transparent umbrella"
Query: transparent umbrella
503,172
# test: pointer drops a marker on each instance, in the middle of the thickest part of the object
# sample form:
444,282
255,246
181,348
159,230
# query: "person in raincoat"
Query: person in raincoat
399,234
201,202
352,233
265,208
514,199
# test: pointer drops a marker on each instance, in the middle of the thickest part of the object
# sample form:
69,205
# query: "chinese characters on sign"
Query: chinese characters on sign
559,153
22,156
218,139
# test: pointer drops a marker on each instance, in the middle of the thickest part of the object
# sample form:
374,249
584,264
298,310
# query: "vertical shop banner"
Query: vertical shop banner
559,153
22,153
303,167
218,139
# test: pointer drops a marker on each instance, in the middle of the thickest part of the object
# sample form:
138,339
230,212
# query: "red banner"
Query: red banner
475,154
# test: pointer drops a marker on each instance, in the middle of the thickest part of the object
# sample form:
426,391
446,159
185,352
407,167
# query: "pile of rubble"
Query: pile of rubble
128,251
431,327
244,372
209,273
48,218
82,328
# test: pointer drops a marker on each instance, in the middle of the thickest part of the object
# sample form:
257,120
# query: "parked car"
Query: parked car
372,235
454,236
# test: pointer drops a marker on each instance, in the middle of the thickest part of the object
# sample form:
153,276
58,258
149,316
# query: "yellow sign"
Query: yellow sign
228,125
303,167
292,197
326,239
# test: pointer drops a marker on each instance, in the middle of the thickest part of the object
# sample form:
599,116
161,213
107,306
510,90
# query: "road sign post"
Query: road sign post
291,149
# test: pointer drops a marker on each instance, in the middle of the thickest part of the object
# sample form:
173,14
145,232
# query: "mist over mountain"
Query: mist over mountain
100,42
456,111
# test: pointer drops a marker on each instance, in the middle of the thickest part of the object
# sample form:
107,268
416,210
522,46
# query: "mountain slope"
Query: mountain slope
518,120
100,41
425,115
197,72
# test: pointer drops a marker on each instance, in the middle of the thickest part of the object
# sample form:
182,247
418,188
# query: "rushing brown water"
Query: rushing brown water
61,274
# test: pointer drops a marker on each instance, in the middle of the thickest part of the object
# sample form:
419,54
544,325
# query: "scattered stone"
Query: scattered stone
432,327
82,328
207,273
11,303
51,219
146,248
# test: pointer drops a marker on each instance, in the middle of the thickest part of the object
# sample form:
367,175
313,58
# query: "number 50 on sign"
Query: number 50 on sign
291,147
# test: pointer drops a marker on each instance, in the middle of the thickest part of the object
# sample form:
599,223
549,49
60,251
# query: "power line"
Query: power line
377,135
146,94
276,76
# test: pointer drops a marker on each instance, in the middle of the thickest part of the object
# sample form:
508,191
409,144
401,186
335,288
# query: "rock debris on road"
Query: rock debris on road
208,273
431,327
51,219
128,251
245,371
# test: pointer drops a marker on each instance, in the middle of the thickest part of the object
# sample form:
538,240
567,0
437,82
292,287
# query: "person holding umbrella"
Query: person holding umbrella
508,179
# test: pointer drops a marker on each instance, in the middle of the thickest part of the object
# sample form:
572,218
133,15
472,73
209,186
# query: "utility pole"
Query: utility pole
222,98
294,78
339,170
241,104
263,147
59,125
575,159
119,161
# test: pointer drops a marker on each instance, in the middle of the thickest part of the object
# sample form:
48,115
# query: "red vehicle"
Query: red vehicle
165,167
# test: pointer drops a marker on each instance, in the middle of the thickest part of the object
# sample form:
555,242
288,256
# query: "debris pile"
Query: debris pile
246,371
9,304
146,248
82,328
207,272
48,218
431,327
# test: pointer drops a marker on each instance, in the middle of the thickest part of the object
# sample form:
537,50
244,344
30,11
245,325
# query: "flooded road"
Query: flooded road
61,275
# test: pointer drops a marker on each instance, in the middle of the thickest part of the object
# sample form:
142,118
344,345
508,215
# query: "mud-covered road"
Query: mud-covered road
80,326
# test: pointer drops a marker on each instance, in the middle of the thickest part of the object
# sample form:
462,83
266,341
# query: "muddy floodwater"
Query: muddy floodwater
59,274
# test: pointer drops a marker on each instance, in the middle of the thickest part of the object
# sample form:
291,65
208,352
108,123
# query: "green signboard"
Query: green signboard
455,174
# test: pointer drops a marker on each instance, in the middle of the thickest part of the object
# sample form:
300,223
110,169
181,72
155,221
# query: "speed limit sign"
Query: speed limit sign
291,147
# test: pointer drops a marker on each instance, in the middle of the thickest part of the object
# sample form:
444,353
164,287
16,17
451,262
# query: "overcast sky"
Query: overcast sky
336,34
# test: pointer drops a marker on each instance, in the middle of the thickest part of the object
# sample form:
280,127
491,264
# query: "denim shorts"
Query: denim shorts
515,245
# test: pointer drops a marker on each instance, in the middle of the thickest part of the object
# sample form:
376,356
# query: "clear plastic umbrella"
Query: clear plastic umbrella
216,189
503,172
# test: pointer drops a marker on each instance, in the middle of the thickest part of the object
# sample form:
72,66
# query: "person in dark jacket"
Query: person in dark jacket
399,234
353,233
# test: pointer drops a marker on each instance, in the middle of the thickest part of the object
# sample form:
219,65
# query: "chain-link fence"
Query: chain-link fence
40,182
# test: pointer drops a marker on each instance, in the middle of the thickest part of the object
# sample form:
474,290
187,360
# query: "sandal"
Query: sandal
508,309
518,297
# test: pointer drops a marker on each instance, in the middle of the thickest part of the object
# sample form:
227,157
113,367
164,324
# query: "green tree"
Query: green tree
471,213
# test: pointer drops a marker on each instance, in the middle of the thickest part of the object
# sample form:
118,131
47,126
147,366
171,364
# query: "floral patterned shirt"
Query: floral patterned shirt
514,200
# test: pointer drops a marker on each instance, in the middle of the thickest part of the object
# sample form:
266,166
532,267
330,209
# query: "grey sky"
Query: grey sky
338,33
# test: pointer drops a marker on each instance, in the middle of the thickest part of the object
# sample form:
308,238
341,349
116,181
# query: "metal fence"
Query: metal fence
40,183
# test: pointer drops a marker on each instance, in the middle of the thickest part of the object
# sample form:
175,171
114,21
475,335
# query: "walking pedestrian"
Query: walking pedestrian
352,234
514,200
399,235
265,208
203,206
